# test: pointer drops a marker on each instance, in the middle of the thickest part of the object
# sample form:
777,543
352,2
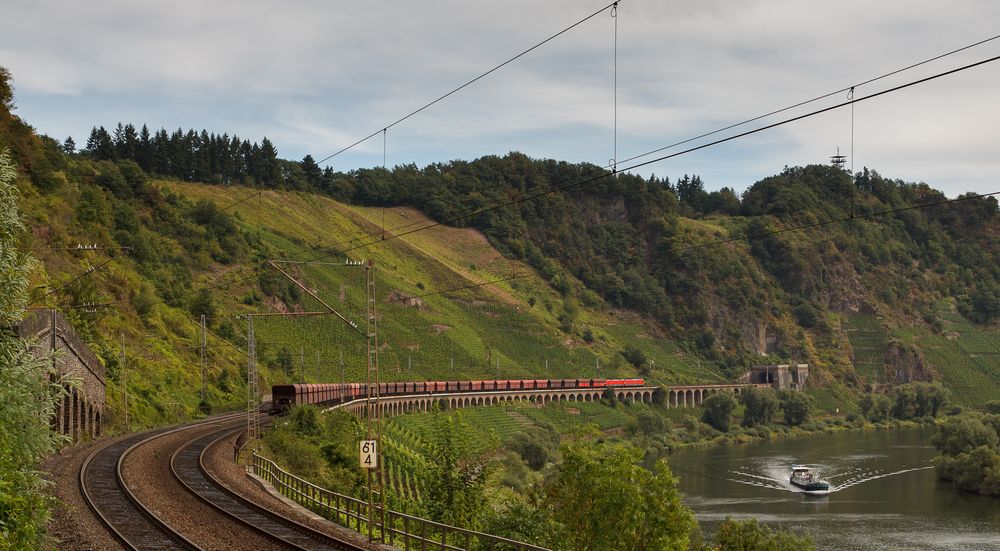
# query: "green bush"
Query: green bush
748,535
970,453
796,407
27,399
717,410
761,404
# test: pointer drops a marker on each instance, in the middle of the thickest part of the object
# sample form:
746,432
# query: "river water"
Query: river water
884,495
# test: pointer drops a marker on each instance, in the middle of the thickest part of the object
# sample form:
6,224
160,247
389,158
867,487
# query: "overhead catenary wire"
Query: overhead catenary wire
468,214
90,269
743,122
814,99
468,83
243,200
614,87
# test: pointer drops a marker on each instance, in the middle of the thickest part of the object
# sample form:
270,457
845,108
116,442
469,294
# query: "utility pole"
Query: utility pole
302,364
253,395
319,376
124,369
376,497
597,368
342,380
204,340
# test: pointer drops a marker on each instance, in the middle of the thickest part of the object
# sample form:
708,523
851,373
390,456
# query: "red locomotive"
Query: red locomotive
285,396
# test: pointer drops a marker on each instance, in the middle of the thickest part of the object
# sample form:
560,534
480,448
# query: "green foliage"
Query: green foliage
321,448
603,498
634,356
652,423
536,446
963,434
796,407
918,399
749,535
717,410
14,265
760,406
456,474
970,453
6,89
27,400
520,521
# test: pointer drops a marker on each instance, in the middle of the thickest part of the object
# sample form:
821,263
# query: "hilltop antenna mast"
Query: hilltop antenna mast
838,160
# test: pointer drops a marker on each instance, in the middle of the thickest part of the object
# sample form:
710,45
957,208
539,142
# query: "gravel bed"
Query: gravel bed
220,465
147,473
74,527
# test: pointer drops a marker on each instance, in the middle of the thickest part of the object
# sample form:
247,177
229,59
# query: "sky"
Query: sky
314,76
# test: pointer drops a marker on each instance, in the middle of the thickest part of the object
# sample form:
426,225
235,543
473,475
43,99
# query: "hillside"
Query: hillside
616,276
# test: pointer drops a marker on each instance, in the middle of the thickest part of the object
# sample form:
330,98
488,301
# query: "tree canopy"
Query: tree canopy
603,498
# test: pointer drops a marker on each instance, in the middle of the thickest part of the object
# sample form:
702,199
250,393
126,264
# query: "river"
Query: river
885,493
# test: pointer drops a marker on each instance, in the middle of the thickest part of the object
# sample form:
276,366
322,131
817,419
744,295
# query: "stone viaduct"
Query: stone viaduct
397,405
80,412
675,397
694,395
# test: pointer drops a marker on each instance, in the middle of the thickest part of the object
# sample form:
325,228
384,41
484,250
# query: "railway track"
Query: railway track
104,490
188,465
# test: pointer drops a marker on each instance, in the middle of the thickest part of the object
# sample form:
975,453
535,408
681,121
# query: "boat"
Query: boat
803,478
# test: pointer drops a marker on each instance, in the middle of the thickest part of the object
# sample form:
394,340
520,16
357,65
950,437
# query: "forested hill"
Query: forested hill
637,242
889,294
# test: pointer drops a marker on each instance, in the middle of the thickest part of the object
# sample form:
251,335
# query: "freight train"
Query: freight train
284,397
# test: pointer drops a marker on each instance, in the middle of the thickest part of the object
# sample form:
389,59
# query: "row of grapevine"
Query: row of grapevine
869,340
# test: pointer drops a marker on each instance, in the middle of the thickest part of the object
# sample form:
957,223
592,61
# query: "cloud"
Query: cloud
315,76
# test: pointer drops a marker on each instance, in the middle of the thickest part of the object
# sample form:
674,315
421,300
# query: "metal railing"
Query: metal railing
401,529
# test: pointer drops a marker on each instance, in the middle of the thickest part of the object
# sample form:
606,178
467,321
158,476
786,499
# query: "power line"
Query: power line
578,183
469,83
613,166
91,247
81,275
468,214
813,100
239,201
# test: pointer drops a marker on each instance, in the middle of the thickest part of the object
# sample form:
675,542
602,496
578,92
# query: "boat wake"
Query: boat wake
776,478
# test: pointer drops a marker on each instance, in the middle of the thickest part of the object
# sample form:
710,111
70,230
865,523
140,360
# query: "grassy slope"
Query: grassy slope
470,329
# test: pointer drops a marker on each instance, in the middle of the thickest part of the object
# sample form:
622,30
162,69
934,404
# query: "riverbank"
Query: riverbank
886,492
764,433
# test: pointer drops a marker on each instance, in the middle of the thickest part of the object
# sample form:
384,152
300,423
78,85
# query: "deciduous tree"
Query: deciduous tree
603,498
717,410
761,404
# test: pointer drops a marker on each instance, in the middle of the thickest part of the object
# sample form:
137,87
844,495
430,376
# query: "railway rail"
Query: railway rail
105,492
188,465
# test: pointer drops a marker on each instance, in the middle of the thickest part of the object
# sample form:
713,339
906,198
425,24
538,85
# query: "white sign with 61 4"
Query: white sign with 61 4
369,454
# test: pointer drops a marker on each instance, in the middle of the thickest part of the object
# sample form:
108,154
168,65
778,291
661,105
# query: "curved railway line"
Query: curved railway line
188,465
106,491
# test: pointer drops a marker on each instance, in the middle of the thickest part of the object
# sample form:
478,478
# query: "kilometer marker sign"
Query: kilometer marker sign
369,454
